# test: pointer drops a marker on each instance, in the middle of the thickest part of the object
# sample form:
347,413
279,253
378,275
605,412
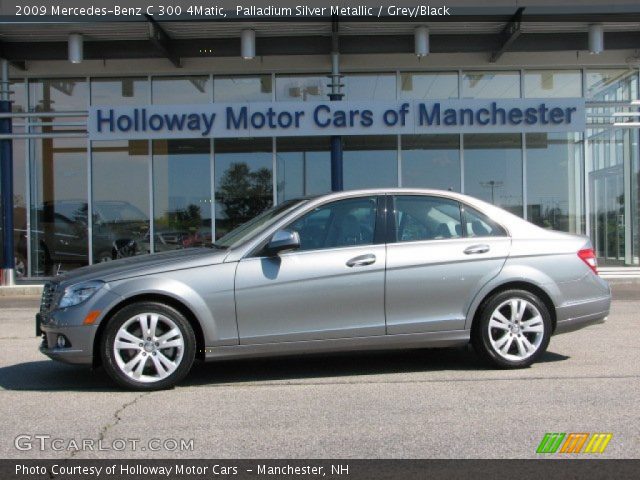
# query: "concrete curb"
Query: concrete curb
21,291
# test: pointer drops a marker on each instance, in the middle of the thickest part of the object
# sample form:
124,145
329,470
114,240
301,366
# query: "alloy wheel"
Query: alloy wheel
516,329
148,347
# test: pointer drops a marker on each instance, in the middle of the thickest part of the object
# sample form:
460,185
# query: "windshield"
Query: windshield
253,226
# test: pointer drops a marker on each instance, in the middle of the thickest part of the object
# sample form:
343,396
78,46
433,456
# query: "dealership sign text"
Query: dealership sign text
220,120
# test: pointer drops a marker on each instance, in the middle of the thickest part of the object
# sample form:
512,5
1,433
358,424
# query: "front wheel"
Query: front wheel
513,329
148,346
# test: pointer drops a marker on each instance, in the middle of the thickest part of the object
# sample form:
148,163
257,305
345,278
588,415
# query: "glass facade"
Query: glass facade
431,161
493,169
181,194
243,181
120,199
79,202
554,181
303,166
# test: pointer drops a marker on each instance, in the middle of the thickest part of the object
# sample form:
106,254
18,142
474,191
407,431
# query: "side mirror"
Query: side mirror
283,240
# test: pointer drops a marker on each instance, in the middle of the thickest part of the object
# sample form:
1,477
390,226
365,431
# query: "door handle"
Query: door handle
361,260
475,249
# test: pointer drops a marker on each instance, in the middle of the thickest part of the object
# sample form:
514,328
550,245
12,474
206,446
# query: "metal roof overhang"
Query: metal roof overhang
134,39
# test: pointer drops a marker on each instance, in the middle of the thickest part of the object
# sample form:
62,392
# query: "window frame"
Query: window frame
379,232
391,220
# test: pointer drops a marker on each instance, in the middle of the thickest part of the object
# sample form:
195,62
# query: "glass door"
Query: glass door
608,214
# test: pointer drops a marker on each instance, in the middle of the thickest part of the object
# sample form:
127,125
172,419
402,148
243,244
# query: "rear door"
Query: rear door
439,256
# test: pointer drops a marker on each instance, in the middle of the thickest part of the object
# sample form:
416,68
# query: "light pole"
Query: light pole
492,184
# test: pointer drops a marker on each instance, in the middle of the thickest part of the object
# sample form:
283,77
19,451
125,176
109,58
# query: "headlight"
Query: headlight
76,294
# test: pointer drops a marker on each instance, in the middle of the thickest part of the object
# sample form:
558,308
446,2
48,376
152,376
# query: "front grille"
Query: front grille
48,296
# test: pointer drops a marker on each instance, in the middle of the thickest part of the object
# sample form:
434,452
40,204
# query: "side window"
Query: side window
338,224
479,225
426,218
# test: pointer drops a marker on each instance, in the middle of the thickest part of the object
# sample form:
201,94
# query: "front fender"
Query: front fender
211,301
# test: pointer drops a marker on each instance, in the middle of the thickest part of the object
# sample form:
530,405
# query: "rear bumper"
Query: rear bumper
579,315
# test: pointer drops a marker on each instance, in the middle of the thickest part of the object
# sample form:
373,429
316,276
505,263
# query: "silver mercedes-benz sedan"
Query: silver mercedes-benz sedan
356,270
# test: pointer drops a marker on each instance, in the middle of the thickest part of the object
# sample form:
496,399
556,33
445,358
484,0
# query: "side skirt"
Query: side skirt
380,342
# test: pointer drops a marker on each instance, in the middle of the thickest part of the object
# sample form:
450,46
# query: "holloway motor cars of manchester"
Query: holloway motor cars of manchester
266,119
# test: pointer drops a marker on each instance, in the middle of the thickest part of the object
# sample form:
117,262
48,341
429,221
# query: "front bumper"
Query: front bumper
52,322
80,350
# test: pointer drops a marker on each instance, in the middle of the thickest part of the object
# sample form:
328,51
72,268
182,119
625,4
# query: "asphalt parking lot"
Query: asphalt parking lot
418,404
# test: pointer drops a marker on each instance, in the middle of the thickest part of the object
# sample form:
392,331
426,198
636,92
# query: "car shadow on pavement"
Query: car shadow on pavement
47,375
341,365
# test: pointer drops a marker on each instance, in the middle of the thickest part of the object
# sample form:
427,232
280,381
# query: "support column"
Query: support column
337,182
6,182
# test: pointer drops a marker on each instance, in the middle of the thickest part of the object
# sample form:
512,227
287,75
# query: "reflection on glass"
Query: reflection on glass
18,98
555,199
58,94
20,209
424,86
635,199
370,87
431,161
242,89
181,194
179,90
120,186
491,84
243,176
493,169
370,161
59,240
304,166
612,85
301,88
552,83
119,91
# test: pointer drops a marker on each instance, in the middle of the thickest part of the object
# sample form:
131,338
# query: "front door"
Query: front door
442,255
332,287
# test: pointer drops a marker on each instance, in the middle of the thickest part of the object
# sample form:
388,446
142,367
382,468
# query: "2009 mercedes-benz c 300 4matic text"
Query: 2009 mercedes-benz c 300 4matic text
357,270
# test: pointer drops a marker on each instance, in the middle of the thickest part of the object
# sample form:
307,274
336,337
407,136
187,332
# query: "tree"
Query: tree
244,194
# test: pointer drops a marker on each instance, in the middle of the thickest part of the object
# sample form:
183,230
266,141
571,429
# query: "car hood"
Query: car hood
145,265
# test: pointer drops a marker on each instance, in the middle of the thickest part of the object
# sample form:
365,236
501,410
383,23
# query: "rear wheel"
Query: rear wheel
148,346
513,329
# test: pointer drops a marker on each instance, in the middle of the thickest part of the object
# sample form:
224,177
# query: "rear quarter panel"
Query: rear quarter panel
551,263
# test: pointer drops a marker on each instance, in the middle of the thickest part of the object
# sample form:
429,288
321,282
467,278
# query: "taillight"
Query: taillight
588,256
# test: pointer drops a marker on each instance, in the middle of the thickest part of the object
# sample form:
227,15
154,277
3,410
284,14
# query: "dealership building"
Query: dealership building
135,134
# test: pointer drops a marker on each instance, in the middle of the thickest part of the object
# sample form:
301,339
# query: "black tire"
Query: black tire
480,332
107,346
